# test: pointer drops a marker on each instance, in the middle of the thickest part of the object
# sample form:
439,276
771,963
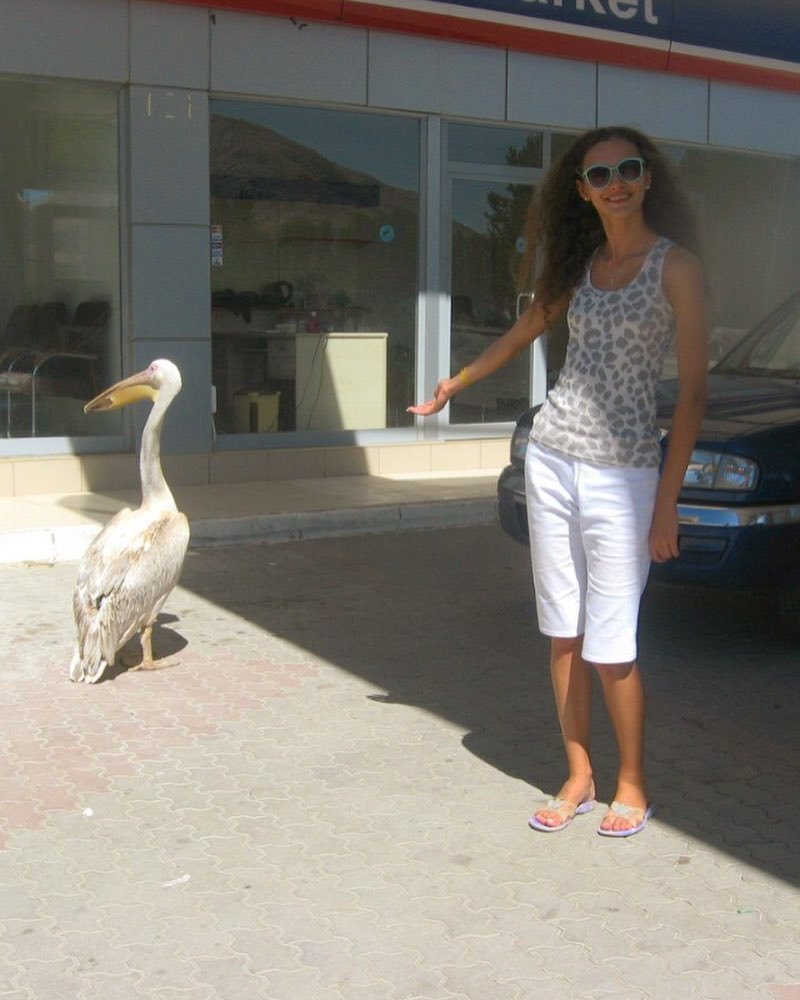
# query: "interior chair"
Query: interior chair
50,318
19,333
61,358
87,329
17,341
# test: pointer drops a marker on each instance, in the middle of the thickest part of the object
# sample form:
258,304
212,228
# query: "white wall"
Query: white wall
83,39
170,292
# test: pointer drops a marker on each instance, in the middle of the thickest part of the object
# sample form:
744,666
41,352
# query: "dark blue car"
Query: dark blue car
739,509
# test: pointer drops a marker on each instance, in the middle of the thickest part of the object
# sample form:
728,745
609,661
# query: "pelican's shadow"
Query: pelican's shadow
167,643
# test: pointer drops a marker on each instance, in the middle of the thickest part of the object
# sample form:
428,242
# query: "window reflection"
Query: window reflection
59,297
314,249
493,146
749,207
488,220
489,200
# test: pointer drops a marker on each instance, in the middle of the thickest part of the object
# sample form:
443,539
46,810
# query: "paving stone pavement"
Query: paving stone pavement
326,797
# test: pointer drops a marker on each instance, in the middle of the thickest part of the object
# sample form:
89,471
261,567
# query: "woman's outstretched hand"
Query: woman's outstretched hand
442,395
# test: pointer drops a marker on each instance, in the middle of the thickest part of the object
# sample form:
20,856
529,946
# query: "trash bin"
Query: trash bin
255,412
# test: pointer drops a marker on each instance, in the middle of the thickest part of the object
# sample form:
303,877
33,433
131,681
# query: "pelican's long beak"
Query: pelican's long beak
129,390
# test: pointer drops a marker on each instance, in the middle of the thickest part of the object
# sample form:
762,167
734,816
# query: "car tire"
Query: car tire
789,608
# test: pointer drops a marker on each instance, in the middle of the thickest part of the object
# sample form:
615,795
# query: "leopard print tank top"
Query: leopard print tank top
602,409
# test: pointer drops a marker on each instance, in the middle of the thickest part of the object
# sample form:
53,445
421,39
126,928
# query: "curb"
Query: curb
67,544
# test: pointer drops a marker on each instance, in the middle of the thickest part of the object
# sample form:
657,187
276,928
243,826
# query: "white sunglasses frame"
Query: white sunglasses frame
613,168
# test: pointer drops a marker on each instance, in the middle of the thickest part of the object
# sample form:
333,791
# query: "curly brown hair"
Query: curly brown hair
562,230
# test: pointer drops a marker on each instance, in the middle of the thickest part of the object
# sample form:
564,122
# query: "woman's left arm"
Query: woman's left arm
683,286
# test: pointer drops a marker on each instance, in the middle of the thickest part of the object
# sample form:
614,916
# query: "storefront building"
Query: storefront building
316,209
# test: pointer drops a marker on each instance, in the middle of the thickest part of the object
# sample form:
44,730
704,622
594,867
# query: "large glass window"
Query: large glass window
749,208
59,255
314,267
750,211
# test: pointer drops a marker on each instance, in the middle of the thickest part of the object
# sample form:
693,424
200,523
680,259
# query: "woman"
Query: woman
615,243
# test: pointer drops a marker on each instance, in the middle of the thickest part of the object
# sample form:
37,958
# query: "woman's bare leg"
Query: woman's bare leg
624,696
572,686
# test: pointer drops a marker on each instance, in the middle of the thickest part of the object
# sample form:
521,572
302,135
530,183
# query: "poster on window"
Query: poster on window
216,246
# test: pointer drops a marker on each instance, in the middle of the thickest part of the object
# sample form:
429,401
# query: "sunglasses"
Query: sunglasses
600,175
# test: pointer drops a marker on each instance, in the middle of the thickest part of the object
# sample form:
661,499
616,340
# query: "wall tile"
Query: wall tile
169,44
426,74
170,282
346,461
169,149
401,459
84,39
547,91
48,475
749,118
272,57
297,464
239,466
665,107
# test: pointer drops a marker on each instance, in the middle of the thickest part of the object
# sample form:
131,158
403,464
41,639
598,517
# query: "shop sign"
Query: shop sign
646,16
747,41
764,28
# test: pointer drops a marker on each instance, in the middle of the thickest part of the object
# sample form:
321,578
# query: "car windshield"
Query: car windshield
771,348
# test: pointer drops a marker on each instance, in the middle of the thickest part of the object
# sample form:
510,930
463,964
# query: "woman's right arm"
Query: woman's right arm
530,325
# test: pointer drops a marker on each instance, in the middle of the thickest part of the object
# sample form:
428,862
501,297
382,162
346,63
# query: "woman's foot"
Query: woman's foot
575,797
623,820
628,813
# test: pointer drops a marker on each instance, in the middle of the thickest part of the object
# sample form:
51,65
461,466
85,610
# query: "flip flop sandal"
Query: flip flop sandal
559,805
639,817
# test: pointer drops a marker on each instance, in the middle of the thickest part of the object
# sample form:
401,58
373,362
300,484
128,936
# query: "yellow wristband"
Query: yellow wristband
463,376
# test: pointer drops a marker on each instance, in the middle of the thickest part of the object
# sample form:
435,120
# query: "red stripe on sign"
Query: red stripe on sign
747,74
541,40
559,40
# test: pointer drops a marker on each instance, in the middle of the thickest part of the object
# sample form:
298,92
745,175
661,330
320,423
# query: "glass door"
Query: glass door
487,241
491,174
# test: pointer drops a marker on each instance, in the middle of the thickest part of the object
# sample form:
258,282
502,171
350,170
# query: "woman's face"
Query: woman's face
622,195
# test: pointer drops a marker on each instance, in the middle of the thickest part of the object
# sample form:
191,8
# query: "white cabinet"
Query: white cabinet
280,357
340,381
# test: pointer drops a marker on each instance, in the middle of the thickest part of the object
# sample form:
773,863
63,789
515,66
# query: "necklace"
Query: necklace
618,267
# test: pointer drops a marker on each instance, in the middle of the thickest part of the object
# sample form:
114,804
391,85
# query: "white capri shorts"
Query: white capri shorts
589,526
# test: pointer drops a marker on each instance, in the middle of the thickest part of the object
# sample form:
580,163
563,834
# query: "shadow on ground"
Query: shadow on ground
166,645
443,620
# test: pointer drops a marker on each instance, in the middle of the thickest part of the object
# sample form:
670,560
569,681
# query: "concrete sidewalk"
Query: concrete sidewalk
326,798
55,527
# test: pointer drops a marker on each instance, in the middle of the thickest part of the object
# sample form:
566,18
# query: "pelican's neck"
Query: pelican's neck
155,492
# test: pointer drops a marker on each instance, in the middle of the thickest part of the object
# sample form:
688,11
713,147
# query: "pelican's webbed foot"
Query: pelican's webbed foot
147,662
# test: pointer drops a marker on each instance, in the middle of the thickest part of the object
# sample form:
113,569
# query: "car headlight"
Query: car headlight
711,470
519,443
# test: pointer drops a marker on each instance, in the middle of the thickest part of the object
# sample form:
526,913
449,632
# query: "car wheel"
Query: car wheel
789,608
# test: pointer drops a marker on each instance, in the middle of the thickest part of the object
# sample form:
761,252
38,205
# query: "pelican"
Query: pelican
133,564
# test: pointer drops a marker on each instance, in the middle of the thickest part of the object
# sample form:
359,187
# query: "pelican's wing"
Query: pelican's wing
103,562
126,574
